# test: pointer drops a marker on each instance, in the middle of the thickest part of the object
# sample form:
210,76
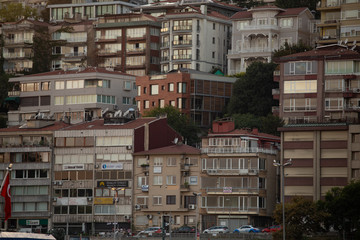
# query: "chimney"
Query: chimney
203,9
255,131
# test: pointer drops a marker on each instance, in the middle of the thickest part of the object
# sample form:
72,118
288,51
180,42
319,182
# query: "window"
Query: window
339,67
157,200
334,103
158,161
126,100
127,85
262,21
262,183
181,87
213,40
287,22
214,26
262,202
303,86
157,180
154,89
136,32
171,161
170,180
193,180
142,181
59,85
170,199
300,68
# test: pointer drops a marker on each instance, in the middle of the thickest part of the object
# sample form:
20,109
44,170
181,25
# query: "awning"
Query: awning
12,99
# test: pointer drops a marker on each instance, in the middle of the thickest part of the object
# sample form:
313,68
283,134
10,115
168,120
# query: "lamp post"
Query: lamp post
116,199
197,213
276,164
228,200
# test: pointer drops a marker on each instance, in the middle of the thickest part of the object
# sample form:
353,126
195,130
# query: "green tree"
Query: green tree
311,4
343,207
248,3
265,124
13,12
179,122
302,217
252,92
58,233
288,49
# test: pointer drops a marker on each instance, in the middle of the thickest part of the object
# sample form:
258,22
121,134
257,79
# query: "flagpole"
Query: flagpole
8,170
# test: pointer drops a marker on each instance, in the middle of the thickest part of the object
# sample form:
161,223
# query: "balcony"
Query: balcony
327,5
14,93
184,188
182,28
135,51
164,30
233,210
234,191
232,172
165,44
108,52
165,59
182,42
182,57
17,55
238,150
18,41
133,38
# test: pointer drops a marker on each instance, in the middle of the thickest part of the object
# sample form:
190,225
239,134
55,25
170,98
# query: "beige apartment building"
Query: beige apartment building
167,186
323,156
238,179
339,22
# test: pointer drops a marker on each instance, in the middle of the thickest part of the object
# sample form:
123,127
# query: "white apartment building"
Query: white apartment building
81,94
258,32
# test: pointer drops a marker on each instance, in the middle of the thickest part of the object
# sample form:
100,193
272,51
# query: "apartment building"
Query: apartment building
30,149
238,179
194,34
79,95
321,85
339,22
167,187
93,171
129,43
323,156
259,31
202,96
75,44
18,43
88,9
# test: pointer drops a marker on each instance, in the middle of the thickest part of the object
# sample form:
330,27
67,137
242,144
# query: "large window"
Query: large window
334,85
157,200
106,99
157,180
29,87
135,32
170,180
73,84
154,89
114,141
80,99
300,68
135,61
334,103
299,104
302,86
171,199
339,67
29,190
286,22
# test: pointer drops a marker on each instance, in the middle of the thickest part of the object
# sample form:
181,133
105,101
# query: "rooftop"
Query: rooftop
176,149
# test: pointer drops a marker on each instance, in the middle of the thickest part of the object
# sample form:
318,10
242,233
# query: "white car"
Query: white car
217,229
247,229
149,231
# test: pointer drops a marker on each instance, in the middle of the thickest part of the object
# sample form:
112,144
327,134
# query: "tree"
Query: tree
343,207
311,4
302,216
248,3
179,122
288,49
252,92
13,12
267,124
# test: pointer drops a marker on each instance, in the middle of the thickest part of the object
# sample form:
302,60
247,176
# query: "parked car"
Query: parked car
271,229
217,229
184,229
246,229
150,231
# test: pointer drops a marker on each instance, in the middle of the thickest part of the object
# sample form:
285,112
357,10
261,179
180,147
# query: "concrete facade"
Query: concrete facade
78,94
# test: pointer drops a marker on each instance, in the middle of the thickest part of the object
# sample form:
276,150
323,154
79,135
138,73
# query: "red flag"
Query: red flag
5,192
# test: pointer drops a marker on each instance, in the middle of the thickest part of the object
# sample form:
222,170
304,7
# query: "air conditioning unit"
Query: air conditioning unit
356,90
128,147
54,199
137,207
192,206
55,182
149,216
89,199
211,171
127,217
60,183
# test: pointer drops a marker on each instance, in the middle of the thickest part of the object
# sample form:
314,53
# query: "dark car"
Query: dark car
185,229
271,229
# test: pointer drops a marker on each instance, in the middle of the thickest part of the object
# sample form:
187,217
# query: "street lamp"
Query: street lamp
197,213
228,200
276,164
116,199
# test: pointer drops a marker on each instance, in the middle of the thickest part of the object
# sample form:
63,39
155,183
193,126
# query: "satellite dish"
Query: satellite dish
354,42
176,140
346,41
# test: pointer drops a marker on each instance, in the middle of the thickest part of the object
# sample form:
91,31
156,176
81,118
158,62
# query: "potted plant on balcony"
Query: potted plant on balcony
144,165
186,185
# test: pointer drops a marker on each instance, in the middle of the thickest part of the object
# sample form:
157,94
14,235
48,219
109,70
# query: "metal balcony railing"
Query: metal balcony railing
223,150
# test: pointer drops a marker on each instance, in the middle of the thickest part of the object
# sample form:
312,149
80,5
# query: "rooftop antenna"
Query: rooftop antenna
346,41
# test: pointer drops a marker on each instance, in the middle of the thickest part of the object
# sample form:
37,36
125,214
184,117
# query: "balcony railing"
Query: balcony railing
79,54
182,57
232,171
17,55
182,42
326,4
275,91
18,41
224,150
182,28
234,190
13,93
232,210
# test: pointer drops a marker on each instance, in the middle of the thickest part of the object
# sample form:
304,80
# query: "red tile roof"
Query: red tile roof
86,70
99,124
175,149
56,126
333,51
292,11
242,15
